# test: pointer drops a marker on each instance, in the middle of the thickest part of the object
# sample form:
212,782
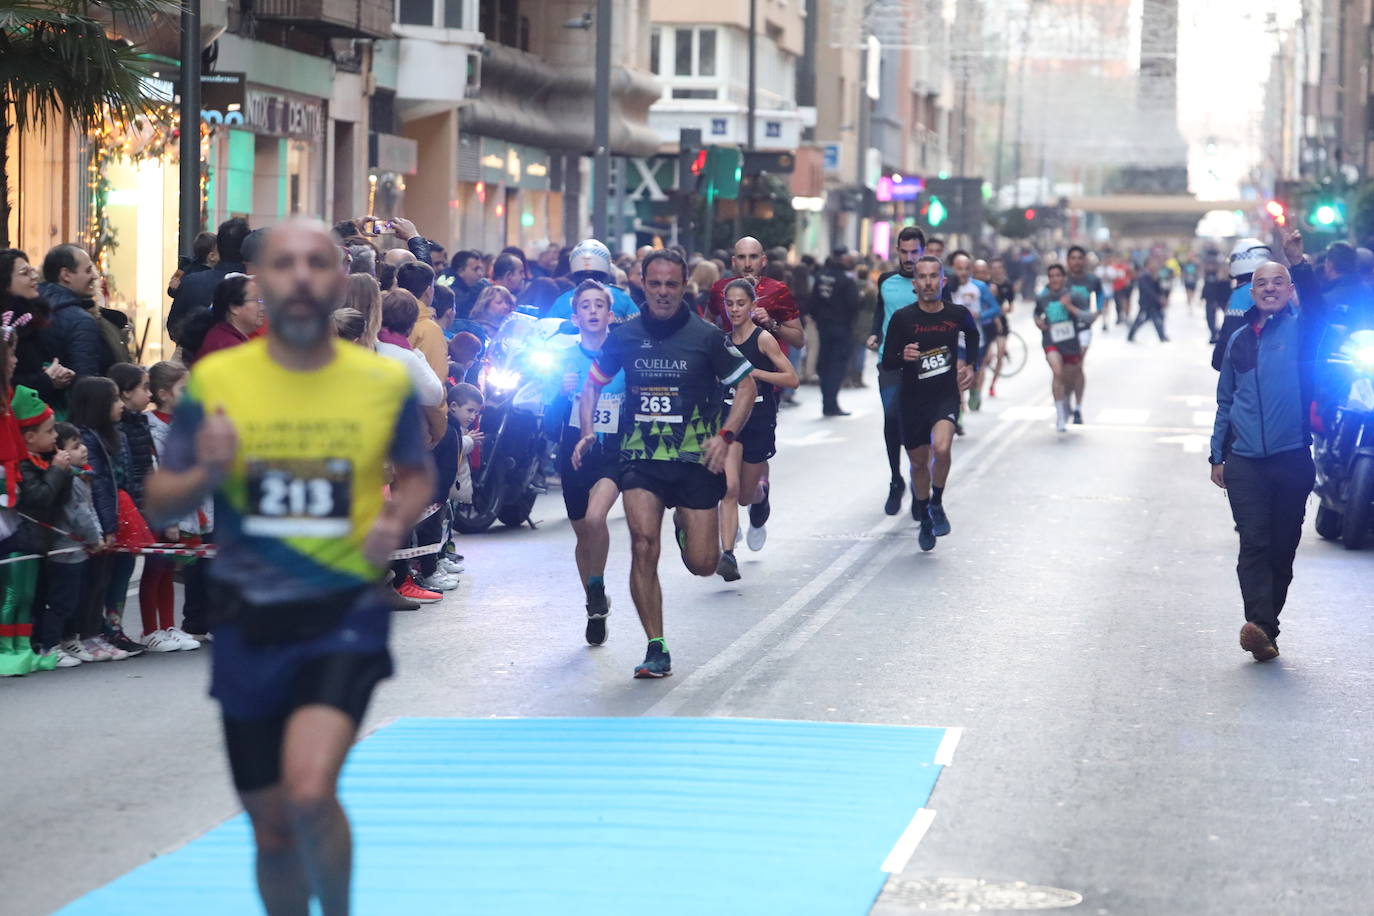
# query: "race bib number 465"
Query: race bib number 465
933,362
299,497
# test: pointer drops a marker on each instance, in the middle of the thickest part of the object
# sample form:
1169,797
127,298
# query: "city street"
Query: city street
1079,625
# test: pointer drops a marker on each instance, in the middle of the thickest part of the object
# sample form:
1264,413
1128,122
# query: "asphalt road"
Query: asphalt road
1079,625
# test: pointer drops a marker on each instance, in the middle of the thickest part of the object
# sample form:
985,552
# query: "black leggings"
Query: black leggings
892,435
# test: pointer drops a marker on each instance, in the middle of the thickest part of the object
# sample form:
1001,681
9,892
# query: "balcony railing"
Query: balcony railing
331,18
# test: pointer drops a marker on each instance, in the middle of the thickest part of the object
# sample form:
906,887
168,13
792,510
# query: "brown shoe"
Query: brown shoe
1257,642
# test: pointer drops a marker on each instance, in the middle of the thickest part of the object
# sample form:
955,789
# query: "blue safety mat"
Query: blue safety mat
482,817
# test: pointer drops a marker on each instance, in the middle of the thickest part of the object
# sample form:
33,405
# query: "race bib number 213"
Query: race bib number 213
299,497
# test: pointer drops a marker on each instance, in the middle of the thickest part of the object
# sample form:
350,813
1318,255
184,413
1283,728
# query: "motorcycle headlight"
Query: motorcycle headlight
503,379
1363,358
541,360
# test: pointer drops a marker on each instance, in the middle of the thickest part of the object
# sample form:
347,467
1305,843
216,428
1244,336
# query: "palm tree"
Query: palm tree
58,61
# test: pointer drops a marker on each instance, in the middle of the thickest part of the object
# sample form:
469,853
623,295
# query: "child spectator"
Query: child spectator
156,590
464,406
65,568
41,487
95,411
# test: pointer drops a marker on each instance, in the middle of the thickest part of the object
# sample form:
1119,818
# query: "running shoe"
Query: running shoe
1254,640
958,428
926,538
756,537
103,651
413,592
452,567
759,511
187,642
975,400
122,643
938,520
728,567
77,650
438,582
394,601
1077,417
64,659
895,490
657,662
161,641
598,609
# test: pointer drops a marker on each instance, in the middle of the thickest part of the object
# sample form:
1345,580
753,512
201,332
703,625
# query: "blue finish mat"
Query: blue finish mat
600,817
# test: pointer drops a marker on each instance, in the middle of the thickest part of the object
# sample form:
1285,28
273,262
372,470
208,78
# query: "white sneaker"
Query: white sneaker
438,582
160,641
77,650
64,659
116,653
756,538
98,650
184,641
452,567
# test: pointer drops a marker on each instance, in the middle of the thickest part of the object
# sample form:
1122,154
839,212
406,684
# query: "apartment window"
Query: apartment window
694,93
437,13
694,52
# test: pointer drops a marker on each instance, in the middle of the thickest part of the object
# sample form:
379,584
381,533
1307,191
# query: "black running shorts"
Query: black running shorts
343,680
759,440
919,418
677,483
577,483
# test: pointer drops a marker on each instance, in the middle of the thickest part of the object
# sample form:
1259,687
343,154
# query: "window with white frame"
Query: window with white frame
684,52
442,14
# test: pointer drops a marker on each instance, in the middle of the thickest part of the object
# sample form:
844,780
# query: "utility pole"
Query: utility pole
601,141
753,71
188,225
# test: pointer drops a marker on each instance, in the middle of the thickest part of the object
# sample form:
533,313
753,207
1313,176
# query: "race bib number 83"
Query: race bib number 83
299,497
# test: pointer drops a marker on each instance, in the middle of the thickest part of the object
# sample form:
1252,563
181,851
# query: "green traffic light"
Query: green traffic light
936,213
1325,215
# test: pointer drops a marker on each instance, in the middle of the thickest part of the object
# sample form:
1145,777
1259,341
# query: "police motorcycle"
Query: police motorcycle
1345,452
506,477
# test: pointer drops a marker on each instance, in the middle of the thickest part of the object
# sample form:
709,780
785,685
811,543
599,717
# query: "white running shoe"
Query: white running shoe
184,641
64,659
77,650
438,582
160,641
452,567
116,653
756,538
98,650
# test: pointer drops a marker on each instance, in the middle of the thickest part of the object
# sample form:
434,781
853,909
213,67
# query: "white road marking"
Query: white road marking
819,437
1192,443
905,847
1029,412
1128,416
944,754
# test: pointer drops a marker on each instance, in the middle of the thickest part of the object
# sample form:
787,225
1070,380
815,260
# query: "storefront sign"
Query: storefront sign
221,98
513,165
279,114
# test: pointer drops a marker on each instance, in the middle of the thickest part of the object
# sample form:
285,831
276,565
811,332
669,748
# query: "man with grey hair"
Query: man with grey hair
1261,440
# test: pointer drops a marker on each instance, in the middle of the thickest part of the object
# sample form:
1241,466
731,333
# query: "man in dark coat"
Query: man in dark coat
198,289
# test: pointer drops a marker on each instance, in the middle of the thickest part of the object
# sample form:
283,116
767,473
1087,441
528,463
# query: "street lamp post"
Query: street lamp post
189,221
601,176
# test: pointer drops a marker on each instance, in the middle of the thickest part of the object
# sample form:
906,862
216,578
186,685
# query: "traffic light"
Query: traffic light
1278,211
1327,213
1030,214
723,170
699,163
935,212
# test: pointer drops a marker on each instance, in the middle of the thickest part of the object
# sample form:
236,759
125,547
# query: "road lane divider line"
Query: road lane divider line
944,754
905,847
751,641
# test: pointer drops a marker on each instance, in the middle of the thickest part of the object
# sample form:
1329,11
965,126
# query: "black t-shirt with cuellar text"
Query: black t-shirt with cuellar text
676,373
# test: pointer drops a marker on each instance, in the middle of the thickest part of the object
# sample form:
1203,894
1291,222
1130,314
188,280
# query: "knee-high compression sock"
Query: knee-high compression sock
892,435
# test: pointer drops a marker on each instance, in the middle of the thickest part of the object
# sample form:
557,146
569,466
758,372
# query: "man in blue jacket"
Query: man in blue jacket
1261,441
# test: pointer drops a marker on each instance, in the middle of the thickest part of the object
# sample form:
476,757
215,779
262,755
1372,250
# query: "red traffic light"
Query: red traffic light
699,163
1277,211
1030,215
